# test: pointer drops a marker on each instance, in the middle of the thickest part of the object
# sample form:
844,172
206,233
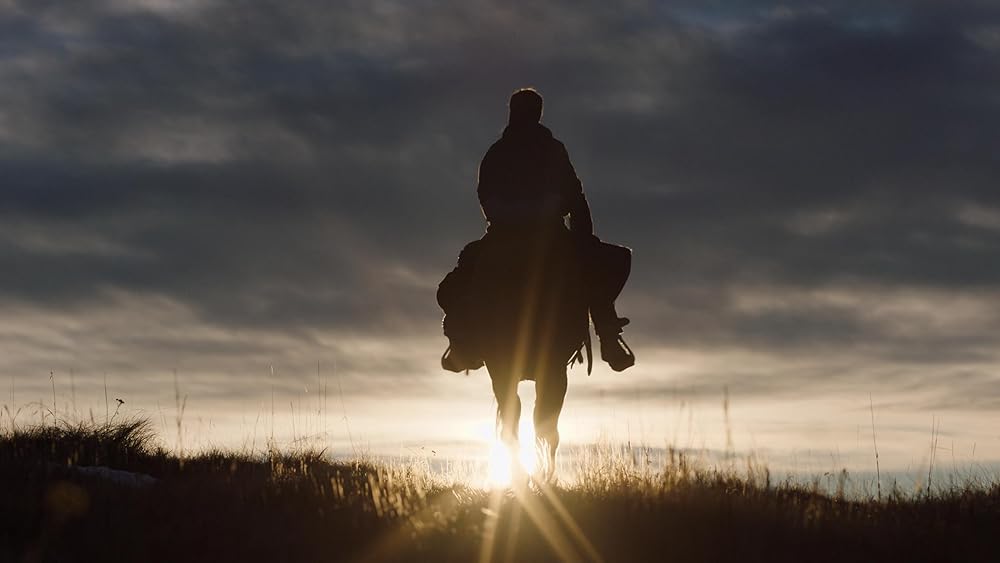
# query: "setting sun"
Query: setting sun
499,469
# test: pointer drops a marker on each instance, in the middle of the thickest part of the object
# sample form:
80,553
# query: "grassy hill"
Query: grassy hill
60,501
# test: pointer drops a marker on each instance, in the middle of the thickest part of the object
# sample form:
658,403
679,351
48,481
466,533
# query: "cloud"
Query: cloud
792,181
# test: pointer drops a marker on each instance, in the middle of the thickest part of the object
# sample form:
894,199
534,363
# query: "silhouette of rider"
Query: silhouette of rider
526,182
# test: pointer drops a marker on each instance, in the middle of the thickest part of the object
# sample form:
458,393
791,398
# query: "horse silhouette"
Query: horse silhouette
521,298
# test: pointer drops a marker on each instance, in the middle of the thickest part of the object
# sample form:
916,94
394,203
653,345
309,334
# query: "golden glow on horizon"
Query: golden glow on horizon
499,469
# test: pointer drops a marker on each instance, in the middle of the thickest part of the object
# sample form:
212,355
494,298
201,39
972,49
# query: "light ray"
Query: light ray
547,525
490,526
567,520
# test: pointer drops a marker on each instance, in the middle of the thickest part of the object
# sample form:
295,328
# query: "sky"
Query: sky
261,197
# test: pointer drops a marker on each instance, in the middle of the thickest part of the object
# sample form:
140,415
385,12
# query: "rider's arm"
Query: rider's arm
580,221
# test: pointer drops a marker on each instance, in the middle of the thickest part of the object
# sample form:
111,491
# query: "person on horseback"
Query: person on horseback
519,298
526,181
525,178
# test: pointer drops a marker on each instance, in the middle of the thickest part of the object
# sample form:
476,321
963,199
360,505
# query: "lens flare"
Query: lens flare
500,470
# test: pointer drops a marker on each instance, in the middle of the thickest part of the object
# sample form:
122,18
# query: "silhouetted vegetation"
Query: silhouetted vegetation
228,506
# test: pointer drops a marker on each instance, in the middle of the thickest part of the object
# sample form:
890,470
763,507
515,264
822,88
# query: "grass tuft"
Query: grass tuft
301,506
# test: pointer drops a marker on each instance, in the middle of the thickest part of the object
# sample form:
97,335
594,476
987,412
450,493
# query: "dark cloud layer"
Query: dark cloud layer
295,166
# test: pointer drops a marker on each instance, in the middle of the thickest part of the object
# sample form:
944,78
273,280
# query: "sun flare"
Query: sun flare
500,470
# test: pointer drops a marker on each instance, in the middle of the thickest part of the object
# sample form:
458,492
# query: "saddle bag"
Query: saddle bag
457,297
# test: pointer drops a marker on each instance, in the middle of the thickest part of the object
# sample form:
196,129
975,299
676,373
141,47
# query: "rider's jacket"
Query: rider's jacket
526,177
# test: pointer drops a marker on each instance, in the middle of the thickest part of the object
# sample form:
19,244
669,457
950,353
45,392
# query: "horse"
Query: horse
533,321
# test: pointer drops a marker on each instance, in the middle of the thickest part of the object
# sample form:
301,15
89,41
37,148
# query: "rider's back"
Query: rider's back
526,176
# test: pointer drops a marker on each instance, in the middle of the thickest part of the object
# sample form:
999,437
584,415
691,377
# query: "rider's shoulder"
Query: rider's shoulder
469,253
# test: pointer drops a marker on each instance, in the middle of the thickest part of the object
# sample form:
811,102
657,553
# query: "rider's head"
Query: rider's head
525,107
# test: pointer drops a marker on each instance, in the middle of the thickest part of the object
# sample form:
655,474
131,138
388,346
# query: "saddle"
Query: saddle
464,295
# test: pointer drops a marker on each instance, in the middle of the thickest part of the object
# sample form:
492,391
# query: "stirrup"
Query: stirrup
620,356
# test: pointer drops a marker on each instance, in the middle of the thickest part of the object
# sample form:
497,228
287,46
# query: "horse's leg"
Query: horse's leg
550,392
508,403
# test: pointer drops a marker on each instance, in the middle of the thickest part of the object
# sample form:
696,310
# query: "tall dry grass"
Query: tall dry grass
301,506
